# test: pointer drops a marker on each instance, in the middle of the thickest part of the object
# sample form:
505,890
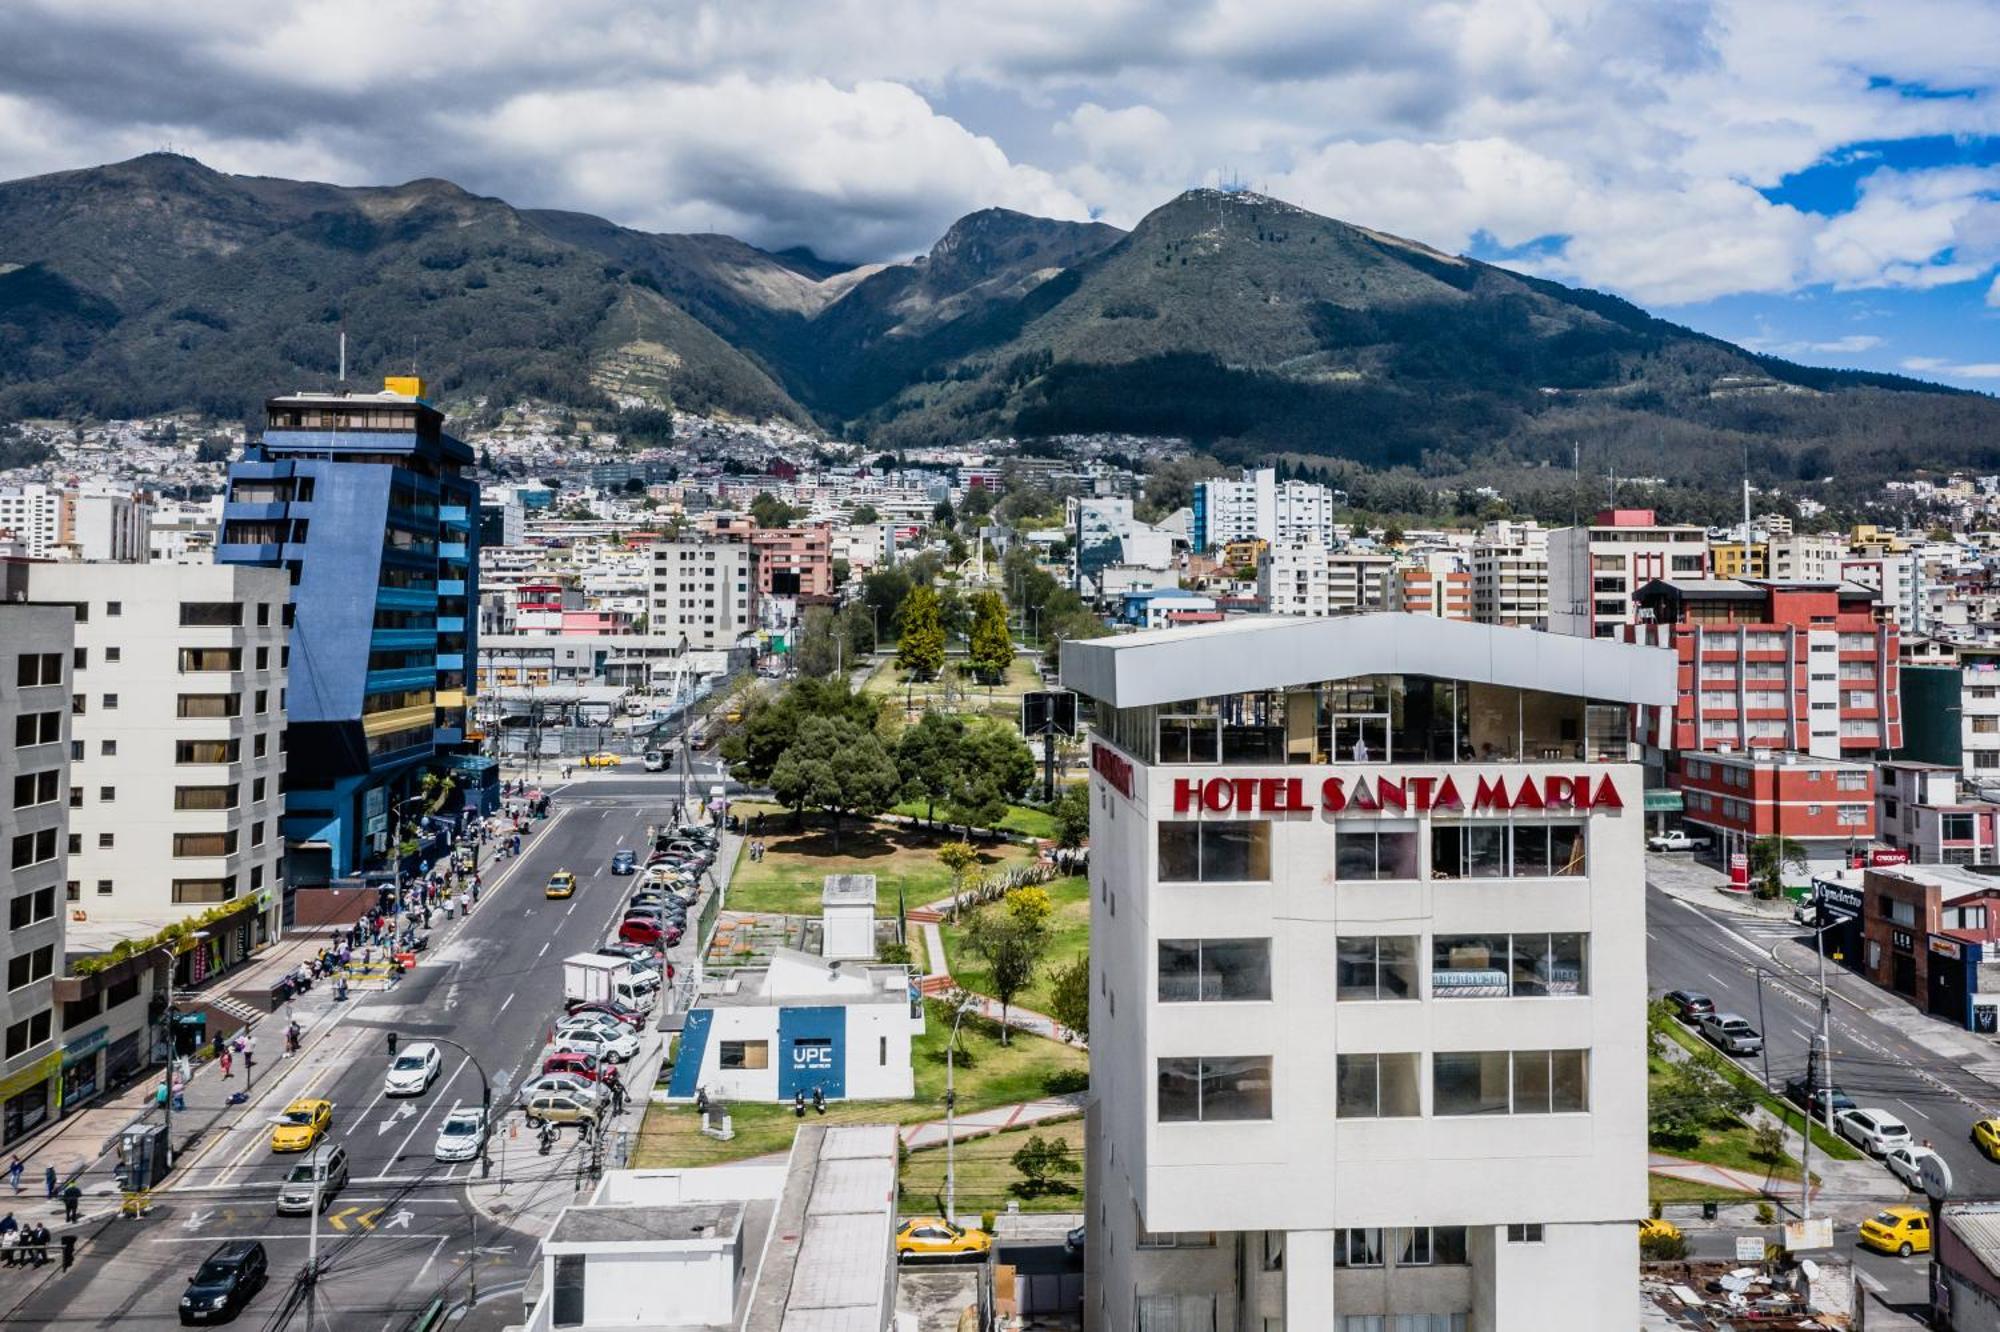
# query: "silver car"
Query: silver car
317,1178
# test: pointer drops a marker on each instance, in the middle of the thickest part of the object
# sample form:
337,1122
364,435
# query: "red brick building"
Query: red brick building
1827,806
794,561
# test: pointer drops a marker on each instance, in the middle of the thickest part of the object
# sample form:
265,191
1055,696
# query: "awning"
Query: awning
1664,800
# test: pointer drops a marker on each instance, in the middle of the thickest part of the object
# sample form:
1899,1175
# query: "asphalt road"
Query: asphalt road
1874,1062
404,1230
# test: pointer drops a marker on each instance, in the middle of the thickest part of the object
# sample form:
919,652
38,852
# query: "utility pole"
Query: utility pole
950,1117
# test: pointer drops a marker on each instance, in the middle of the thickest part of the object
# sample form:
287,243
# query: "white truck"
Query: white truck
599,978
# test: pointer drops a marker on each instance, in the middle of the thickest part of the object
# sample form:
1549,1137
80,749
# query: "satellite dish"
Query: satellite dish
1935,1176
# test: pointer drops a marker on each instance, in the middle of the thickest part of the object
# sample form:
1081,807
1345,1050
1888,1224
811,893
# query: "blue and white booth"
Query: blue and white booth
798,1024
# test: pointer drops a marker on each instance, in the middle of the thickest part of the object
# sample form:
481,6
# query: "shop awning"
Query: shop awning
1663,800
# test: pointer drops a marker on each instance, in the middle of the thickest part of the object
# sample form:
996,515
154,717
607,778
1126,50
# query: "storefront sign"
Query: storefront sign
1944,947
1902,941
1881,856
85,1046
1385,794
1113,767
1837,898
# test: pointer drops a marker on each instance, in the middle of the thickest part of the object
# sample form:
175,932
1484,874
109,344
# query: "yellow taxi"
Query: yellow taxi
302,1125
1898,1230
561,884
1656,1228
935,1237
1986,1137
603,759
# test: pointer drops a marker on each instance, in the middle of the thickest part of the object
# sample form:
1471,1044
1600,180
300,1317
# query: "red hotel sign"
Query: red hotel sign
1383,794
1113,767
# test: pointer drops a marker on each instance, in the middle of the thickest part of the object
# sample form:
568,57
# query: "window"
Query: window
73,890
111,700
211,659
31,908
104,888
107,793
205,890
108,748
1376,967
1497,966
205,751
38,668
33,848
78,705
257,833
1357,1248
263,653
1525,1234
1498,851
256,788
205,797
75,756
257,744
205,844
263,701
76,839
1500,1082
1218,852
1214,970
27,968
745,1054
209,705
113,654
105,841
1375,853
28,1033
1376,1086
37,728
1214,1088
211,614
36,788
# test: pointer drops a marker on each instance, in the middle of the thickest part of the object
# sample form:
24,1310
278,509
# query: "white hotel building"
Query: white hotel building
1368,1001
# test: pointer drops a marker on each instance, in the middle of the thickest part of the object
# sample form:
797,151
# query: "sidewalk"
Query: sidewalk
981,1123
937,980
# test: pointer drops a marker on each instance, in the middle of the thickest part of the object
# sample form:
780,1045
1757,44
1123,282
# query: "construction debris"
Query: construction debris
1718,1296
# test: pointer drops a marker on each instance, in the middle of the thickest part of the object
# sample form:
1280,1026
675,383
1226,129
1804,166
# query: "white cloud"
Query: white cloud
1938,367
1852,344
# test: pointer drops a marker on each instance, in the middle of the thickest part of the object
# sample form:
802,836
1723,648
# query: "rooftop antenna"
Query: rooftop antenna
343,356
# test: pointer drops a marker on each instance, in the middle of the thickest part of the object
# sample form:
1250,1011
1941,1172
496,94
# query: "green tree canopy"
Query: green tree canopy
1069,995
991,647
770,511
837,767
771,725
1072,815
863,515
1012,948
929,756
920,640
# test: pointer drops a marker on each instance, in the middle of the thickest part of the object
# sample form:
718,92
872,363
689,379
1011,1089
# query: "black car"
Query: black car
1798,1091
624,862
1690,1004
223,1284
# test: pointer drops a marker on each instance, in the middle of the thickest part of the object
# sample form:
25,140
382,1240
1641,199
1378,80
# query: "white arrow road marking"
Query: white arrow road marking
197,1218
402,1218
401,1112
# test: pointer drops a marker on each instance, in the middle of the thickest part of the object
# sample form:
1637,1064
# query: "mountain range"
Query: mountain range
1253,327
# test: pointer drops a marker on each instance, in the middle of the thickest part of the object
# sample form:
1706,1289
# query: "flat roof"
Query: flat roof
1977,1225
1279,651
1951,881
585,1224
828,1267
848,890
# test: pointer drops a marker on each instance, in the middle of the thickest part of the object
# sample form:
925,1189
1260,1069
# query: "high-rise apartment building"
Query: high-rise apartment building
1424,590
1259,507
706,590
1594,571
1292,579
93,521
1805,557
1510,575
794,561
367,504
1368,976
35,651
177,745
1357,580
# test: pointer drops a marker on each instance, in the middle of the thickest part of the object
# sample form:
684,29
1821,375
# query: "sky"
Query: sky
1819,179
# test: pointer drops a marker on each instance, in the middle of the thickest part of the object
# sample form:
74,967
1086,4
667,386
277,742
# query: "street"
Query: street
407,1229
1727,958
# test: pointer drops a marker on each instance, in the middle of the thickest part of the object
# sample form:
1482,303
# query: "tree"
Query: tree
929,756
942,514
920,638
1045,1165
864,515
1012,951
1770,857
1072,815
1692,1096
837,767
991,647
958,857
770,511
818,650
1068,624
771,726
1031,906
884,593
995,769
1069,996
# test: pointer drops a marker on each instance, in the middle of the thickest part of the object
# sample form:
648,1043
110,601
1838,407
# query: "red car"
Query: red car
631,1017
582,1065
640,930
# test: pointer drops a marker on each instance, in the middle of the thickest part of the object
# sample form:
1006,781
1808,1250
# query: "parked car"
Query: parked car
225,1282
935,1237
302,1124
1907,1163
638,929
1873,1131
624,862
557,1082
631,1017
1690,1004
1729,1033
639,955
654,760
1898,1230
1816,1098
414,1070
582,1067
559,1107
1677,840
605,1046
603,1022
326,1168
460,1135
561,884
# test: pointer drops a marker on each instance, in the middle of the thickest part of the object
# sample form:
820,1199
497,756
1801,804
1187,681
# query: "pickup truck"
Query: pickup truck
1676,841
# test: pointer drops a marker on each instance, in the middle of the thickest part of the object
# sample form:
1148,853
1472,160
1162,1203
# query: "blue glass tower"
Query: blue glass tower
365,501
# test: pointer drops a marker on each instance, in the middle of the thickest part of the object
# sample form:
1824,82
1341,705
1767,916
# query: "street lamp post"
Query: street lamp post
950,1116
167,1014
485,1158
1819,1073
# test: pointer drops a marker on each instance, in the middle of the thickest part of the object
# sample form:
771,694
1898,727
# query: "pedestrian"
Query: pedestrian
72,1197
49,1181
14,1174
226,1061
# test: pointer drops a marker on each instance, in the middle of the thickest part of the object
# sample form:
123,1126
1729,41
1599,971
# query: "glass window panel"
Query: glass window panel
1355,968
1447,852
1235,852
1180,971
1236,970
1486,851
1236,1088
1179,1090
1180,852
1469,966
1566,856
1531,851
1531,1082
1570,1081
1448,1245
1397,960
1396,1078
1568,964
1354,856
1396,855
1416,1251
1356,1087
1530,964
1473,1082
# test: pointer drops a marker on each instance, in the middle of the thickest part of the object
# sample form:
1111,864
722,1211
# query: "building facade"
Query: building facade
1510,575
794,561
1368,977
706,590
367,504
1825,805
1921,811
1258,507
1445,593
35,652
1292,579
1357,580
1595,572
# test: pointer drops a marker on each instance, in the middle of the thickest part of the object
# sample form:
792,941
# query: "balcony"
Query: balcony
451,587
451,624
451,550
403,638
407,677
405,598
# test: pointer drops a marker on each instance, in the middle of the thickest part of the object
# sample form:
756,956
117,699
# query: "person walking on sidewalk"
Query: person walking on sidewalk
49,1181
225,1061
14,1174
72,1197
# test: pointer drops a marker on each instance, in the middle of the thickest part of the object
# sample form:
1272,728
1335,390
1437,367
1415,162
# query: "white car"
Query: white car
1873,1131
460,1135
566,1083
1907,1163
1676,841
414,1069
612,1047
592,1021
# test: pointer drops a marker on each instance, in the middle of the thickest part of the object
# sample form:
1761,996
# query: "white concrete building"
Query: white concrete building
1368,992
704,589
1805,557
177,744
1259,507
33,513
1594,571
1510,575
93,521
1292,578
1357,580
35,643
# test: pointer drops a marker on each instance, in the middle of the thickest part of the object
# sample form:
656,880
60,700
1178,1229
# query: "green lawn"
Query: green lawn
1728,1143
988,1074
1019,819
906,698
1824,1140
1667,1189
1070,938
792,873
987,1179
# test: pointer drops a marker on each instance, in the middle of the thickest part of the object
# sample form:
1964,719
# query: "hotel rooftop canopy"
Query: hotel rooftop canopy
1275,652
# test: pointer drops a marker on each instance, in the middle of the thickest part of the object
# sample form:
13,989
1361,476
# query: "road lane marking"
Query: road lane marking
545,949
288,1235
426,1113
503,1004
